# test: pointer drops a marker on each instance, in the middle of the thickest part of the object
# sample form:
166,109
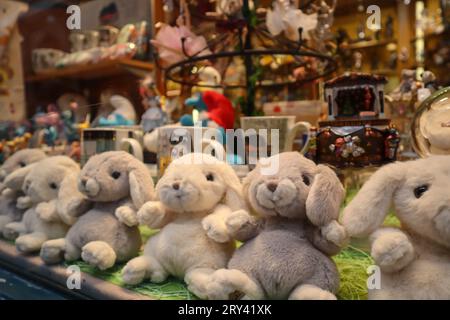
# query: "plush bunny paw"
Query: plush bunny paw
46,211
310,292
23,203
127,216
215,229
99,254
237,220
139,268
29,243
8,193
392,252
52,251
10,232
151,214
335,233
223,286
133,273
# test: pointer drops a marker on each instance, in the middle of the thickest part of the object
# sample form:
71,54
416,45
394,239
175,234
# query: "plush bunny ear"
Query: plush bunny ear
367,211
71,203
325,197
234,197
16,179
65,162
142,188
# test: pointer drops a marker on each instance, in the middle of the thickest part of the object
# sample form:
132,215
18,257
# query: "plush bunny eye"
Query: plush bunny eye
115,175
210,177
53,186
22,164
419,191
306,180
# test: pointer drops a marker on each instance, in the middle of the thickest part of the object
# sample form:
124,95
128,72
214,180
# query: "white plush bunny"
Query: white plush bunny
8,198
195,196
42,185
414,259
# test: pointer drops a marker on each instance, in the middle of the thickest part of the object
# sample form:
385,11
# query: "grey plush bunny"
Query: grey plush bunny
118,185
414,259
286,252
8,198
41,186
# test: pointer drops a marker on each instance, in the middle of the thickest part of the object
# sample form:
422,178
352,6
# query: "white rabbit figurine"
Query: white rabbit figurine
8,198
195,196
42,183
414,259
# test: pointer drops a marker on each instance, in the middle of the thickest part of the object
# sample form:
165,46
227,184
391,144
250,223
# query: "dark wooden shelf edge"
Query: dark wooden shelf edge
92,71
33,268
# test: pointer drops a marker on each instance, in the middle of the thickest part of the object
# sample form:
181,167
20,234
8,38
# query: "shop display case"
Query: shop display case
167,149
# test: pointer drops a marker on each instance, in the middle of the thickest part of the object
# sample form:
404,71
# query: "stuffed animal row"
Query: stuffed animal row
201,209
9,212
287,221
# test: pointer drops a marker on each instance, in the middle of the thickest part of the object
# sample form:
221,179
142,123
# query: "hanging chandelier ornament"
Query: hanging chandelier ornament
272,48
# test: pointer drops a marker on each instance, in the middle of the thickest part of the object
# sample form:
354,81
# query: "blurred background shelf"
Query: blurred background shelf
371,44
94,71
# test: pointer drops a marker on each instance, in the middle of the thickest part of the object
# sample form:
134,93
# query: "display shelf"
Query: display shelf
371,44
94,70
55,277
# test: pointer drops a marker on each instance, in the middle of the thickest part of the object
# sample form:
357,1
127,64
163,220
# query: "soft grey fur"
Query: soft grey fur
41,186
414,259
8,198
109,231
195,196
286,252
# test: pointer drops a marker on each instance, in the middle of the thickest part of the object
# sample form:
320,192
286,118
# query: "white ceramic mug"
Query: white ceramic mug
287,126
98,140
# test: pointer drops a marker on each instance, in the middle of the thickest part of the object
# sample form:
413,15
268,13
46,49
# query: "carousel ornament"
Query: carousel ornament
347,146
286,18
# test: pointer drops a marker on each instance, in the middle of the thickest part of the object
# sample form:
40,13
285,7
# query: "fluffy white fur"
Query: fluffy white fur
415,260
194,200
9,196
42,184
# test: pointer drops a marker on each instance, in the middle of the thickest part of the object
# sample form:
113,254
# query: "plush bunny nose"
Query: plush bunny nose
26,186
272,186
83,181
176,186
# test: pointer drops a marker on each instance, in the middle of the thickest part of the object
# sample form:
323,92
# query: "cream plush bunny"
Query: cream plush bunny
286,254
414,259
117,184
8,198
195,196
42,184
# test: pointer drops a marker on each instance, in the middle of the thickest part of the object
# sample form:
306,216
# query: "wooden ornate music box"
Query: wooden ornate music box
356,133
